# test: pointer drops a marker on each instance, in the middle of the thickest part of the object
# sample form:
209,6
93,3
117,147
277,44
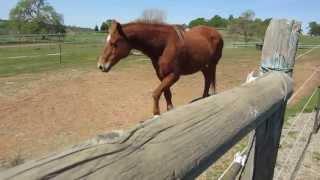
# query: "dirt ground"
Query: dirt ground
310,165
47,112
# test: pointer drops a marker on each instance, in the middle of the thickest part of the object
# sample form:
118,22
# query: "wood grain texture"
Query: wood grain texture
316,124
180,144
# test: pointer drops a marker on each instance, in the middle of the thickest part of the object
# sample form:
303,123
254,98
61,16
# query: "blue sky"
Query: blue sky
87,13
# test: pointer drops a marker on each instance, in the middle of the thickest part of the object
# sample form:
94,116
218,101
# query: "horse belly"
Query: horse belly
195,58
190,66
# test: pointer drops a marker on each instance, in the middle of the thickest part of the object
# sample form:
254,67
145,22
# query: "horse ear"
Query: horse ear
116,26
120,30
113,26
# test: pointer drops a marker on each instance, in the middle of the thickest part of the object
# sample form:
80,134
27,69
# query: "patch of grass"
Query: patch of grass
88,37
316,156
16,160
292,134
36,59
293,110
310,40
79,37
24,59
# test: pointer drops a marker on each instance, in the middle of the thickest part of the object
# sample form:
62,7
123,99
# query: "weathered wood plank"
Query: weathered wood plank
280,46
316,124
179,144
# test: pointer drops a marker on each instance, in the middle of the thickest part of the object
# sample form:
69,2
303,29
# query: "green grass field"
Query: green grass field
80,37
310,40
45,57
19,60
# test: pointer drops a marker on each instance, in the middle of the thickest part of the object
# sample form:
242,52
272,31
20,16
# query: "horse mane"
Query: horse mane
149,23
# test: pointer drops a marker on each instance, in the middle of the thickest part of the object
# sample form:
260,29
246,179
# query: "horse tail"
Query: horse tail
218,52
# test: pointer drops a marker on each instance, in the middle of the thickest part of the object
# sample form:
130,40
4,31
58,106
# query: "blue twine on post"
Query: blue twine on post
276,63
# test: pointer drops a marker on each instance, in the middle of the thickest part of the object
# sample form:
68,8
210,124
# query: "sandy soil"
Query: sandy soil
42,113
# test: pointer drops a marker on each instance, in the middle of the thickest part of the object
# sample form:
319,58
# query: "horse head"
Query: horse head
116,47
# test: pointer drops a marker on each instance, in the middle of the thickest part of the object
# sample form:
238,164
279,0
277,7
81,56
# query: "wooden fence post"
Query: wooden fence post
278,54
60,42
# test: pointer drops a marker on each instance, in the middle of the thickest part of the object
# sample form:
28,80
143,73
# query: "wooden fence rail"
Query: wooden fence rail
182,143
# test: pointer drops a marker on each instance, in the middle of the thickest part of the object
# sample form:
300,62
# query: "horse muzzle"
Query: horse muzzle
104,67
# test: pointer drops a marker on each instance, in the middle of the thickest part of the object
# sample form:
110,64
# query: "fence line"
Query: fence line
302,86
301,55
297,117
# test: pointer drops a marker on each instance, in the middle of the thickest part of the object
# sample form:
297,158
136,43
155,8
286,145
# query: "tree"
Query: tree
198,21
217,21
314,28
230,18
248,15
36,16
153,16
105,25
96,28
259,27
243,25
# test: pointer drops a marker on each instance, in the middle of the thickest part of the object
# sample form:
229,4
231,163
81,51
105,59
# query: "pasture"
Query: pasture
46,106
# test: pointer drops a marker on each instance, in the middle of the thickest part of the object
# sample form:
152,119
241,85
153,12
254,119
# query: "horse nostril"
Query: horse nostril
100,67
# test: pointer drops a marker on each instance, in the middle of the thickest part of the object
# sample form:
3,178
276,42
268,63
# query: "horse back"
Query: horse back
203,42
205,34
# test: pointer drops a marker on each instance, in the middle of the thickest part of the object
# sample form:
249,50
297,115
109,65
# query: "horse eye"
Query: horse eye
113,44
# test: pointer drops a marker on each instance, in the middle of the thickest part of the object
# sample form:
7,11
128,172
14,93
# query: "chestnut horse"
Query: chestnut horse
173,52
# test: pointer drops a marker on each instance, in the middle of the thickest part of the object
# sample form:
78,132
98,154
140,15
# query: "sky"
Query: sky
88,13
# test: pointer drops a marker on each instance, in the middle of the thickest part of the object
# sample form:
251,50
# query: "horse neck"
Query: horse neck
148,38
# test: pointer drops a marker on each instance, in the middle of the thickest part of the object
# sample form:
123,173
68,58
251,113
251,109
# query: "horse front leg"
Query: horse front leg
165,84
167,92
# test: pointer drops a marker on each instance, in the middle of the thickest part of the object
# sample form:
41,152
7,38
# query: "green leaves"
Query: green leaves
215,21
314,28
105,25
197,22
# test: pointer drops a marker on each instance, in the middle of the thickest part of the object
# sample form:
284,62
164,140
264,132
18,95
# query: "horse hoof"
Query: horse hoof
155,116
169,108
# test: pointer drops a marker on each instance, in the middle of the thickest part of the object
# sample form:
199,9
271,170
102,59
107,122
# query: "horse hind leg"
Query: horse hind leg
168,97
207,81
213,81
216,58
